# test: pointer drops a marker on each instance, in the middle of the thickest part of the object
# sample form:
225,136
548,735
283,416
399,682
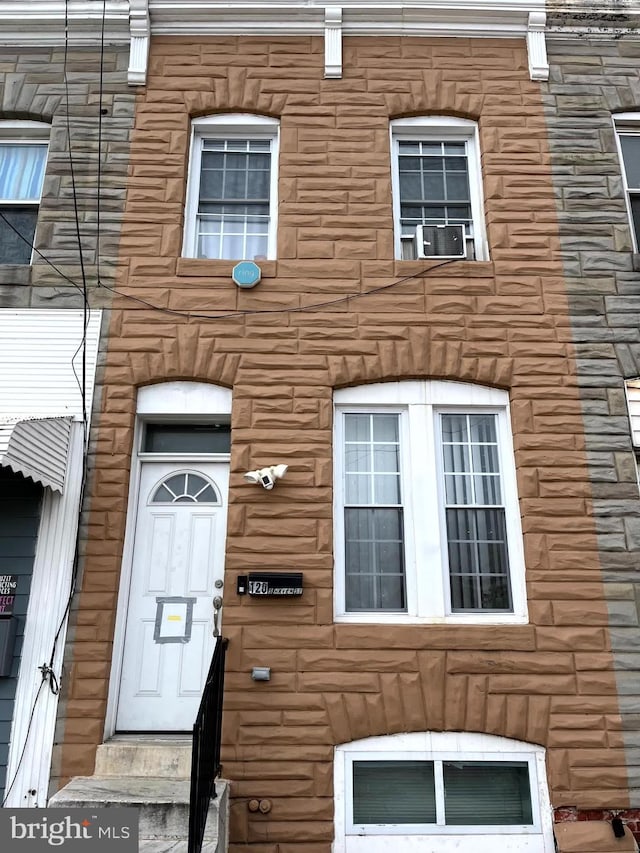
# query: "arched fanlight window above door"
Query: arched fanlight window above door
185,487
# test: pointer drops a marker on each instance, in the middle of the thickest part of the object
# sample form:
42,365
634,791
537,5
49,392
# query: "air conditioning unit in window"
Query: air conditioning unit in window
440,241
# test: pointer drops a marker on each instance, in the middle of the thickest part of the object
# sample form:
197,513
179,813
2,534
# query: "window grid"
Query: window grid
234,200
185,488
474,514
434,185
373,514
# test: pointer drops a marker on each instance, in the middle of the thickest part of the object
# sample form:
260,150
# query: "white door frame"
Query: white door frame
165,402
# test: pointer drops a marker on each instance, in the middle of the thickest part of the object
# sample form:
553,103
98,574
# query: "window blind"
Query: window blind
393,792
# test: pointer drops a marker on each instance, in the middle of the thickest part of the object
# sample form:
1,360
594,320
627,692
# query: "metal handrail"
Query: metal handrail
205,756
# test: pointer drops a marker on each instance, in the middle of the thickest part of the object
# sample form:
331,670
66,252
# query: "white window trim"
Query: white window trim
25,133
630,123
419,403
442,129
438,746
230,125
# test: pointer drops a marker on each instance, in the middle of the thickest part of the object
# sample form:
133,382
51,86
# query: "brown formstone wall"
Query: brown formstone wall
502,323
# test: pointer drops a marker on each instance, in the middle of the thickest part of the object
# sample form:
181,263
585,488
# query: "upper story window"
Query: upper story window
426,509
628,134
232,192
437,188
23,158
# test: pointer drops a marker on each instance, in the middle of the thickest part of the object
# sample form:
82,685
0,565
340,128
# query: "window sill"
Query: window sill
15,274
206,268
475,619
453,267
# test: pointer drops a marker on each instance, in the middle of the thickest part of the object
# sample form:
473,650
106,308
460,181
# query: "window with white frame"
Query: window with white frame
437,188
23,158
627,127
426,511
232,191
466,789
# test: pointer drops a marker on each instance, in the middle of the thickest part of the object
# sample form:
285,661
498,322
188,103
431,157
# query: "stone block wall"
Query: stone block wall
591,79
283,351
87,148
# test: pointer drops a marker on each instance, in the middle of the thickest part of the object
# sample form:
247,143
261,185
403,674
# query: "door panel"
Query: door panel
178,554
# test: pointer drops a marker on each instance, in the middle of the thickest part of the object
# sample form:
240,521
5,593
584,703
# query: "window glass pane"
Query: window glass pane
386,489
455,148
234,214
487,490
375,462
456,164
22,171
357,427
14,249
630,144
457,187
477,547
487,794
374,559
257,247
385,457
485,458
232,245
357,458
454,428
433,186
359,489
410,186
393,792
187,438
456,458
385,427
483,428
635,213
458,489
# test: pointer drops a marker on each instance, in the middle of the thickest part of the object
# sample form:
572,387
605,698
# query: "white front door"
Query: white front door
177,571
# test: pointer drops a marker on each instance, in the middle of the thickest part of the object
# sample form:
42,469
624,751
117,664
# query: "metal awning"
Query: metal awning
36,448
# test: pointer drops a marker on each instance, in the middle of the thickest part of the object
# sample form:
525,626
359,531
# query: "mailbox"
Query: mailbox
7,644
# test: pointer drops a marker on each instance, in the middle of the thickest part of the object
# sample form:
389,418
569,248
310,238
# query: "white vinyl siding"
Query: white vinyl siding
41,361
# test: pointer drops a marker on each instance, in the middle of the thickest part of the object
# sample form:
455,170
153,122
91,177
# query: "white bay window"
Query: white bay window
426,510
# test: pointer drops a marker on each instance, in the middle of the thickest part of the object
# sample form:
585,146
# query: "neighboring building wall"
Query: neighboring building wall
504,323
591,78
19,518
32,86
89,106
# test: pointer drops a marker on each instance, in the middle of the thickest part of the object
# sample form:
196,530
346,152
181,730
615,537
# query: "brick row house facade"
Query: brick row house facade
441,349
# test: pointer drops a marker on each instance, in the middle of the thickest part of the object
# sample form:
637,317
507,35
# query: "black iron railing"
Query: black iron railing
205,757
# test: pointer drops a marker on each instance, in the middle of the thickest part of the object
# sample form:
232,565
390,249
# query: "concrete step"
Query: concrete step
163,808
168,758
